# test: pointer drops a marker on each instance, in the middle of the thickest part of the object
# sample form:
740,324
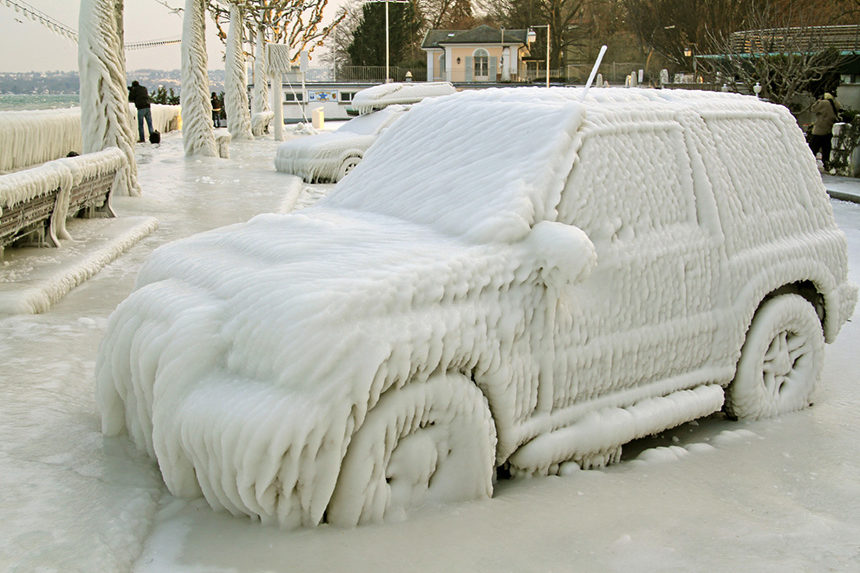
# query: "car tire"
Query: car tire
780,361
431,441
348,165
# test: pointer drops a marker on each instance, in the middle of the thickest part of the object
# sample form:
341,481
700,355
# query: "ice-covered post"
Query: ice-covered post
105,116
197,134
278,61
260,102
236,82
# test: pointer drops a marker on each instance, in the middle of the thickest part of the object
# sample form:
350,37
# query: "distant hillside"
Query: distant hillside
68,82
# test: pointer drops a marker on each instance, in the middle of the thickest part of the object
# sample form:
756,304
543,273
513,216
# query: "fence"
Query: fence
843,38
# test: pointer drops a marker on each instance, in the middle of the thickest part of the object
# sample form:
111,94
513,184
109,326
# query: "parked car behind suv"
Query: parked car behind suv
518,278
331,156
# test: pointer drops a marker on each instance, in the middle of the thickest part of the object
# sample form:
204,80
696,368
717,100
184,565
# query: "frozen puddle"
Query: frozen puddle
32,279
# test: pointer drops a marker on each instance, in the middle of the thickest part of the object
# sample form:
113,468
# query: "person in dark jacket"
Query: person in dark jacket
216,110
138,94
826,112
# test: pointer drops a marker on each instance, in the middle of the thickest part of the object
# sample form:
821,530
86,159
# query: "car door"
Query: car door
642,323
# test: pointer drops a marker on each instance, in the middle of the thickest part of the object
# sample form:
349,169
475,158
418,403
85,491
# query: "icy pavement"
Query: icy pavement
842,188
775,495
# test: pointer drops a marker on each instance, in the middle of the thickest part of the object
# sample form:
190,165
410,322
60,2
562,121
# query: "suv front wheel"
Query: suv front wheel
780,361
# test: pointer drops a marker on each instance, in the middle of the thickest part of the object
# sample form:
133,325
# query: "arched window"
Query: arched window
482,64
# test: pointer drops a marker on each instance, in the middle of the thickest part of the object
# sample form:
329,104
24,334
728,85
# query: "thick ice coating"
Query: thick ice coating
505,275
377,97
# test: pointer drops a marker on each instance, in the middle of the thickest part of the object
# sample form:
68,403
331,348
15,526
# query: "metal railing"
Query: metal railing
843,38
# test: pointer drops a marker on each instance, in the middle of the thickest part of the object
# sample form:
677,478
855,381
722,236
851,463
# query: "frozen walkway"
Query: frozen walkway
842,188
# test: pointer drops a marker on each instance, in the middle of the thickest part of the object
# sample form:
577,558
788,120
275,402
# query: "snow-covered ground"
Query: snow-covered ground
774,495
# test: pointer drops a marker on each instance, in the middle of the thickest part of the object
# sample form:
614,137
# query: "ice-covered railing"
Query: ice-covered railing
164,117
32,137
383,95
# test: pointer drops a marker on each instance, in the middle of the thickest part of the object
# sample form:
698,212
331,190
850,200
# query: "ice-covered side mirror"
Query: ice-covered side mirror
563,254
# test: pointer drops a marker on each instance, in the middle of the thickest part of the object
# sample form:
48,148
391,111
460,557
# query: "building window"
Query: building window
482,64
346,97
290,96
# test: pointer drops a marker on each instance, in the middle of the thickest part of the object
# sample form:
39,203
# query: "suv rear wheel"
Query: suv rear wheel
780,361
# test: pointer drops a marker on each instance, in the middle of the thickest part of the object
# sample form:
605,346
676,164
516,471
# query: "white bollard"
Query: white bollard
318,118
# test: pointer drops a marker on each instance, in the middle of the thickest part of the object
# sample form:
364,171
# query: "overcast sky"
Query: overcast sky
29,46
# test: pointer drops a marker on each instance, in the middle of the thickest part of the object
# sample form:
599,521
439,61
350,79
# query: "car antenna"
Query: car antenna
593,72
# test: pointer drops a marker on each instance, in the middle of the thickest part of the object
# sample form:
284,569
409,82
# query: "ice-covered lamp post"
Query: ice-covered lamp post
532,36
757,89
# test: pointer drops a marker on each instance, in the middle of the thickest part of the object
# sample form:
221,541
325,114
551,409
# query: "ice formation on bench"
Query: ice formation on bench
248,357
60,175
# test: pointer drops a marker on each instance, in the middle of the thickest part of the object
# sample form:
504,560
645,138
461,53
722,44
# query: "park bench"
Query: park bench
35,203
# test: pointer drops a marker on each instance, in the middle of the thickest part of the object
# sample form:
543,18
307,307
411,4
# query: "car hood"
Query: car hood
247,356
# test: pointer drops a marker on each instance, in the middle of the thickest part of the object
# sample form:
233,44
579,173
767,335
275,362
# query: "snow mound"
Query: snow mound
378,97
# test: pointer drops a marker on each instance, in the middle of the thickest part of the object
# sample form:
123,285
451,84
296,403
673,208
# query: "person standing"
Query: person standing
826,112
216,110
138,94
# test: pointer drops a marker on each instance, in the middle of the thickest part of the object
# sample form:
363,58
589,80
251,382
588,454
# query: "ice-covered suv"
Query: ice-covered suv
511,278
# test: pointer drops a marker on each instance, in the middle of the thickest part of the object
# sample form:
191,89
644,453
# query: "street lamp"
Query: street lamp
532,36
387,78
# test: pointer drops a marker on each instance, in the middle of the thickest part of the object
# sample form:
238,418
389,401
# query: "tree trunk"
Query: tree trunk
236,82
261,75
105,116
197,133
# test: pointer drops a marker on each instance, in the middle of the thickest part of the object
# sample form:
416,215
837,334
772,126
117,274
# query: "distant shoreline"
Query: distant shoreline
12,102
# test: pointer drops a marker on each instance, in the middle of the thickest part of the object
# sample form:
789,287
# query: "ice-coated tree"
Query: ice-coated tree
197,134
105,118
260,102
236,81
296,23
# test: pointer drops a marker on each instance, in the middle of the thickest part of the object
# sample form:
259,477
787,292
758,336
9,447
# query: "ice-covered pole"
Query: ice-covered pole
105,116
197,133
593,71
236,95
261,75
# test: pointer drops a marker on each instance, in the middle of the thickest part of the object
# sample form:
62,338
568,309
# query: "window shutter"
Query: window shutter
493,72
470,68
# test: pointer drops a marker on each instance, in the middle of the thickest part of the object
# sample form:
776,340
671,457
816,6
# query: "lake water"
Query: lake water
38,101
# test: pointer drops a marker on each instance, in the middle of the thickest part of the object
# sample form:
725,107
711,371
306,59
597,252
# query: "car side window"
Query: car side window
759,196
629,184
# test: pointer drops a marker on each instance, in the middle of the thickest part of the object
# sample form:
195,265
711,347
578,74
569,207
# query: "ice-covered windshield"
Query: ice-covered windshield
373,123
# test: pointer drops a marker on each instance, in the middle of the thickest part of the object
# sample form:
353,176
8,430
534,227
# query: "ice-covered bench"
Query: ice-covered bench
35,203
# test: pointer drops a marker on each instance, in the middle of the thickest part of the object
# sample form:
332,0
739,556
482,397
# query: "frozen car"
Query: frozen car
330,156
378,97
511,279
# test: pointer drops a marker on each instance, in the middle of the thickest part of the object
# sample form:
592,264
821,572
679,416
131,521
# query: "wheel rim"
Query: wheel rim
785,362
780,361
